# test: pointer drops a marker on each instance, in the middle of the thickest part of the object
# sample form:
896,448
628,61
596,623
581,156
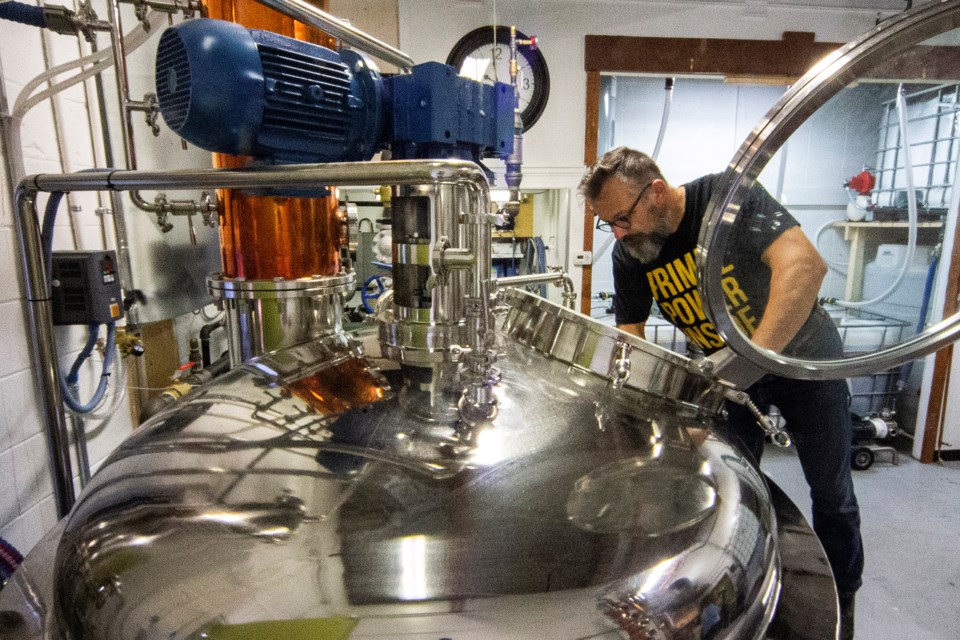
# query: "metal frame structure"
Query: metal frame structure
37,285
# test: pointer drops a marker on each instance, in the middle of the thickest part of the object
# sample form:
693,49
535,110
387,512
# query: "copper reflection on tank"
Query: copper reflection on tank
344,386
265,237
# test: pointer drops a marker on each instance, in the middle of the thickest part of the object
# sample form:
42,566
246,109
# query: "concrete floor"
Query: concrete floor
910,517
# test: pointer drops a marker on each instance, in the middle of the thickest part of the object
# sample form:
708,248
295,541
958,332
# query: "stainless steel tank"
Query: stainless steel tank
299,489
570,483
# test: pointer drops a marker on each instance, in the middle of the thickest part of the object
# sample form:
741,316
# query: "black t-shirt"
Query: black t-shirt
671,279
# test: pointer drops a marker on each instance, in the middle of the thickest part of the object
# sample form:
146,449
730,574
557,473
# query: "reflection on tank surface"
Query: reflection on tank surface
300,487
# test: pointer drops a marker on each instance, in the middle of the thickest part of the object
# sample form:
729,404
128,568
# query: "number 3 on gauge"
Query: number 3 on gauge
484,54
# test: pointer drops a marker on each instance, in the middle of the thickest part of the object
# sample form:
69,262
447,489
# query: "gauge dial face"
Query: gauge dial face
484,55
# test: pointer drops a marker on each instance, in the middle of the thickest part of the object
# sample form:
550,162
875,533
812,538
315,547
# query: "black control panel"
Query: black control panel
86,287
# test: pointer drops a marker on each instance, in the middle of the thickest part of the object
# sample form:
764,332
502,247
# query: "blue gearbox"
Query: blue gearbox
247,92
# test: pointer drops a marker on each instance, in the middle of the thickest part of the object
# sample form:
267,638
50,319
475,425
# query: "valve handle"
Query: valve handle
366,295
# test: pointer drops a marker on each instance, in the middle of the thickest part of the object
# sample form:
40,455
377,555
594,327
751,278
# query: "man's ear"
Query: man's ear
659,187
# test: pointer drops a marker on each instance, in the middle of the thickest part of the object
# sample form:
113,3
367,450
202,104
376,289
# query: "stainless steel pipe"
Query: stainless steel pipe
531,278
123,83
44,352
558,278
466,174
341,174
311,16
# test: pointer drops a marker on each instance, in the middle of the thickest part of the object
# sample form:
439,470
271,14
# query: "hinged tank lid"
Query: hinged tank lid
916,49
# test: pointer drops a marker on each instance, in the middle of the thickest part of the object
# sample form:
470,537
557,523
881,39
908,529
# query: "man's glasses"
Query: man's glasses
621,221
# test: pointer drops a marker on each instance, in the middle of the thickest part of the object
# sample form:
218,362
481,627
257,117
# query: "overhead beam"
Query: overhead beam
790,57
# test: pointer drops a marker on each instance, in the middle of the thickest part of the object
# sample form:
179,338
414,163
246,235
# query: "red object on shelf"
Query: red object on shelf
863,183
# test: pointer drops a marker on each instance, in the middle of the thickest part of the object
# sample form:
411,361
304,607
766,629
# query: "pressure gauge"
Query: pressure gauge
484,55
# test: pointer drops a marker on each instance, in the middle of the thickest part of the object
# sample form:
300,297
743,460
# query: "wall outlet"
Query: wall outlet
582,258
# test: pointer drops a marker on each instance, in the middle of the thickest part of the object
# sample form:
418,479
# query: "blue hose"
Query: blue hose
93,332
367,296
46,228
907,369
23,13
67,383
927,293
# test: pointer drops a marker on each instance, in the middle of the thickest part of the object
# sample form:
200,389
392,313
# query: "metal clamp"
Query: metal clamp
620,371
152,113
769,425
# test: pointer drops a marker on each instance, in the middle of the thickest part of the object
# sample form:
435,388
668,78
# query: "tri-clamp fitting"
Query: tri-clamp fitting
82,22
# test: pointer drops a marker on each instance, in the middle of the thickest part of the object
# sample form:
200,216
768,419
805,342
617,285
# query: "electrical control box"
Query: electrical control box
86,287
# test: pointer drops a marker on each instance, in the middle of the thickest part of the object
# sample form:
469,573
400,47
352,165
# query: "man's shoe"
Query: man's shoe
847,606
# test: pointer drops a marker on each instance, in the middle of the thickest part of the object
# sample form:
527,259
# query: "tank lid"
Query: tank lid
623,359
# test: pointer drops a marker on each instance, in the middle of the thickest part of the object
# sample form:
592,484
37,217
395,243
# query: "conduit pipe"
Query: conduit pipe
466,175
313,17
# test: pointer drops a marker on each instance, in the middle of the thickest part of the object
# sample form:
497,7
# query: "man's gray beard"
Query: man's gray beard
645,248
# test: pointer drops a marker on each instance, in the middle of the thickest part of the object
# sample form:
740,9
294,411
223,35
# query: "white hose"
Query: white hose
911,210
101,60
664,119
836,265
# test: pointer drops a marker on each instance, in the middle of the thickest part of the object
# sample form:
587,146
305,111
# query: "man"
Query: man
771,281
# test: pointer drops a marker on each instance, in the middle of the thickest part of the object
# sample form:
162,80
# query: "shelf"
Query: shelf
860,235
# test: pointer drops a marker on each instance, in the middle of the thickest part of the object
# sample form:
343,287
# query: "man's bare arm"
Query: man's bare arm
796,273
637,329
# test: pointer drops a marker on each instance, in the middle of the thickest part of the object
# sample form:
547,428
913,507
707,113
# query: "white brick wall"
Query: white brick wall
27,508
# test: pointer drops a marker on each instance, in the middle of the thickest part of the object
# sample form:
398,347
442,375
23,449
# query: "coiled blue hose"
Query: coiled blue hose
68,382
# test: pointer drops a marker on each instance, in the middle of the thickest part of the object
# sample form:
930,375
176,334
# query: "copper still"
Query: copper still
283,279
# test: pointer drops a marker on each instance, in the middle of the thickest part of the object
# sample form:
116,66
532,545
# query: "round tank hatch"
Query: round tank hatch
912,55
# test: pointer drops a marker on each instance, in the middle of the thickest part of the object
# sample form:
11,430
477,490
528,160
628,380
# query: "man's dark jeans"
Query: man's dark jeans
818,420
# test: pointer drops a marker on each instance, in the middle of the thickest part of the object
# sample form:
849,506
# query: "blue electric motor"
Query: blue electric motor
247,92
